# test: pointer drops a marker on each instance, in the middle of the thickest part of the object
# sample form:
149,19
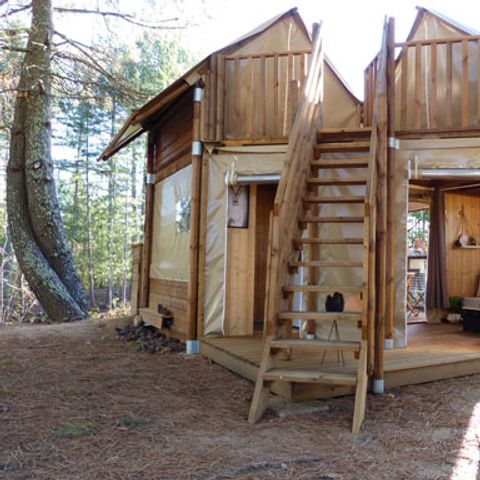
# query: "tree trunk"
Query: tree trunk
111,193
91,276
133,179
33,211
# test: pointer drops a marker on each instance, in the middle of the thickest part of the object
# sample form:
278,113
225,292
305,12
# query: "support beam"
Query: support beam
194,218
148,225
391,210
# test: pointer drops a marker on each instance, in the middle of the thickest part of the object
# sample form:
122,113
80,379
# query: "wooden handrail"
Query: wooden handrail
377,155
292,186
438,41
272,54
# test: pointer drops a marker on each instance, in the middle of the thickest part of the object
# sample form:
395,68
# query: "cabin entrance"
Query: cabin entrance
418,226
443,249
246,258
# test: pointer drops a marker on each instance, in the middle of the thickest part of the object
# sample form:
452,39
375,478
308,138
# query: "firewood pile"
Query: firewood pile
149,339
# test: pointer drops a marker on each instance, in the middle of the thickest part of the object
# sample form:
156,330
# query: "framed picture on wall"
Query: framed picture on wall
238,207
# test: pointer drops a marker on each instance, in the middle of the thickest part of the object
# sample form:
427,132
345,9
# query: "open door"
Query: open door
246,258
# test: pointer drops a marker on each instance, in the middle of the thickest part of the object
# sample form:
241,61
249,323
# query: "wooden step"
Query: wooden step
322,345
320,148
348,316
327,241
340,163
309,376
336,181
268,372
324,264
343,133
335,199
321,289
314,219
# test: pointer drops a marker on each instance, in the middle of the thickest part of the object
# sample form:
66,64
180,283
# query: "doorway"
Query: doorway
246,260
418,228
264,206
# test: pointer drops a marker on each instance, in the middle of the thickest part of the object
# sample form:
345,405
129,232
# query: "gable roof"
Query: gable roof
423,11
139,121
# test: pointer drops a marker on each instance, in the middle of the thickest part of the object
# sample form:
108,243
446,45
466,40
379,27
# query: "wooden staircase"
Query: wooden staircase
325,171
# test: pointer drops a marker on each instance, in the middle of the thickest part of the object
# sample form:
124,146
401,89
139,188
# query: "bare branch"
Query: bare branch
124,16
15,10
13,49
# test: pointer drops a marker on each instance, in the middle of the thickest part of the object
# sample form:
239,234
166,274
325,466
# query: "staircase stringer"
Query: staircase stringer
293,184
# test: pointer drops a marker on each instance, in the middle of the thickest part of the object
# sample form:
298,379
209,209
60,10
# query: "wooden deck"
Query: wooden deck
435,352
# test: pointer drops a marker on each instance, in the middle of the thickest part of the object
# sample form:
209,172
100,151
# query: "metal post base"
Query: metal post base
193,347
378,386
388,344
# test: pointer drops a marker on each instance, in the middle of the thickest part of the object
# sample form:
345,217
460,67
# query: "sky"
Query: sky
352,29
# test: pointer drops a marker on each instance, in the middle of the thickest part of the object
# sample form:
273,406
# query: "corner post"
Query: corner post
391,210
192,308
148,225
381,227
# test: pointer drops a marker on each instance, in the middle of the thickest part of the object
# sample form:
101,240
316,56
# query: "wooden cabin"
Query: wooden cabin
270,187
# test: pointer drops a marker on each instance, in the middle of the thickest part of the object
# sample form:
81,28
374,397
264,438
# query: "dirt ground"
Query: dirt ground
78,403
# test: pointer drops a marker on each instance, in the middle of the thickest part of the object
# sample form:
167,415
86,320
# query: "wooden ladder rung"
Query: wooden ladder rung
348,316
321,345
336,181
324,264
340,147
321,289
308,376
343,133
341,163
328,241
314,219
335,199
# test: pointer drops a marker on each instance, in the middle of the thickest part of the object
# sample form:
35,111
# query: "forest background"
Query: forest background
104,66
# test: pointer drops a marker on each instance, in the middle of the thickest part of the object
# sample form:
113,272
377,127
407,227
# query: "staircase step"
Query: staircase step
309,376
349,316
337,181
321,289
314,219
343,133
335,199
341,163
328,241
322,345
320,148
319,263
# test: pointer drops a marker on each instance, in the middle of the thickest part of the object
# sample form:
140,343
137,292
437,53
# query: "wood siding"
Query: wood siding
174,296
463,265
174,134
137,253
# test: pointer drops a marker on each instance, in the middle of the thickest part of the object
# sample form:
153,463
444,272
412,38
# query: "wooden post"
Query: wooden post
220,100
381,257
390,183
465,86
449,84
137,250
194,217
202,250
148,225
418,86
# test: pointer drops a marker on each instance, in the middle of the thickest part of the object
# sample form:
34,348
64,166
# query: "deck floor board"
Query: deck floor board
434,352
